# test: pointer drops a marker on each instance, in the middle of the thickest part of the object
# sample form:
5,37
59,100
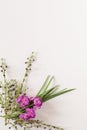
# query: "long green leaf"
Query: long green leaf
44,85
58,94
48,83
50,91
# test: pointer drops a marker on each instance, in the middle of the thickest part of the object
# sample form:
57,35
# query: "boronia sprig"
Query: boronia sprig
19,108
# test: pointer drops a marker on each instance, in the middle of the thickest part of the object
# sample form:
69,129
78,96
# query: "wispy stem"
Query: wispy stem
3,70
39,124
28,63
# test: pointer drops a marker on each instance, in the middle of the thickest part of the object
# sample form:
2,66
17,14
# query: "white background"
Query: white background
57,31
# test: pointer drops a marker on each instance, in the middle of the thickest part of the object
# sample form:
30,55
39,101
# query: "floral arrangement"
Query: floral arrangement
18,108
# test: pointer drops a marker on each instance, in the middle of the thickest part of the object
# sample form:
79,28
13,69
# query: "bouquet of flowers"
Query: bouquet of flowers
19,109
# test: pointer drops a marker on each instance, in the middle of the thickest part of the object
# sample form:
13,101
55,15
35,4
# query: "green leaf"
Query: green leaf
43,86
47,94
48,84
50,91
58,94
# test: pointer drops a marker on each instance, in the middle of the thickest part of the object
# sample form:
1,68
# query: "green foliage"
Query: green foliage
47,93
11,89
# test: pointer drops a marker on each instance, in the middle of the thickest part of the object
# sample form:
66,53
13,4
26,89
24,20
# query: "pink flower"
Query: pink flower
37,102
30,112
31,99
19,99
23,101
26,116
21,116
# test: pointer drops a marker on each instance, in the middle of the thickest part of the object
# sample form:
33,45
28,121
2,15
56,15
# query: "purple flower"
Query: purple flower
37,102
19,99
26,116
31,99
21,116
23,100
30,112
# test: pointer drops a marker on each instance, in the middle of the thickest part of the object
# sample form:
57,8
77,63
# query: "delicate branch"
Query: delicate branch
13,125
39,124
19,108
36,124
29,62
3,69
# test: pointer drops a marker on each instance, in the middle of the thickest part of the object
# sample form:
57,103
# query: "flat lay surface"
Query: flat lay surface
57,32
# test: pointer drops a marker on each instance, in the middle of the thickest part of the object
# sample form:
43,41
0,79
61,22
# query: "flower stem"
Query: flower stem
3,70
39,124
29,62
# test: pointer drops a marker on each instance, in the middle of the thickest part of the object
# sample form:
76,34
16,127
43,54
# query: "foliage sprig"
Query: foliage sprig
18,106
